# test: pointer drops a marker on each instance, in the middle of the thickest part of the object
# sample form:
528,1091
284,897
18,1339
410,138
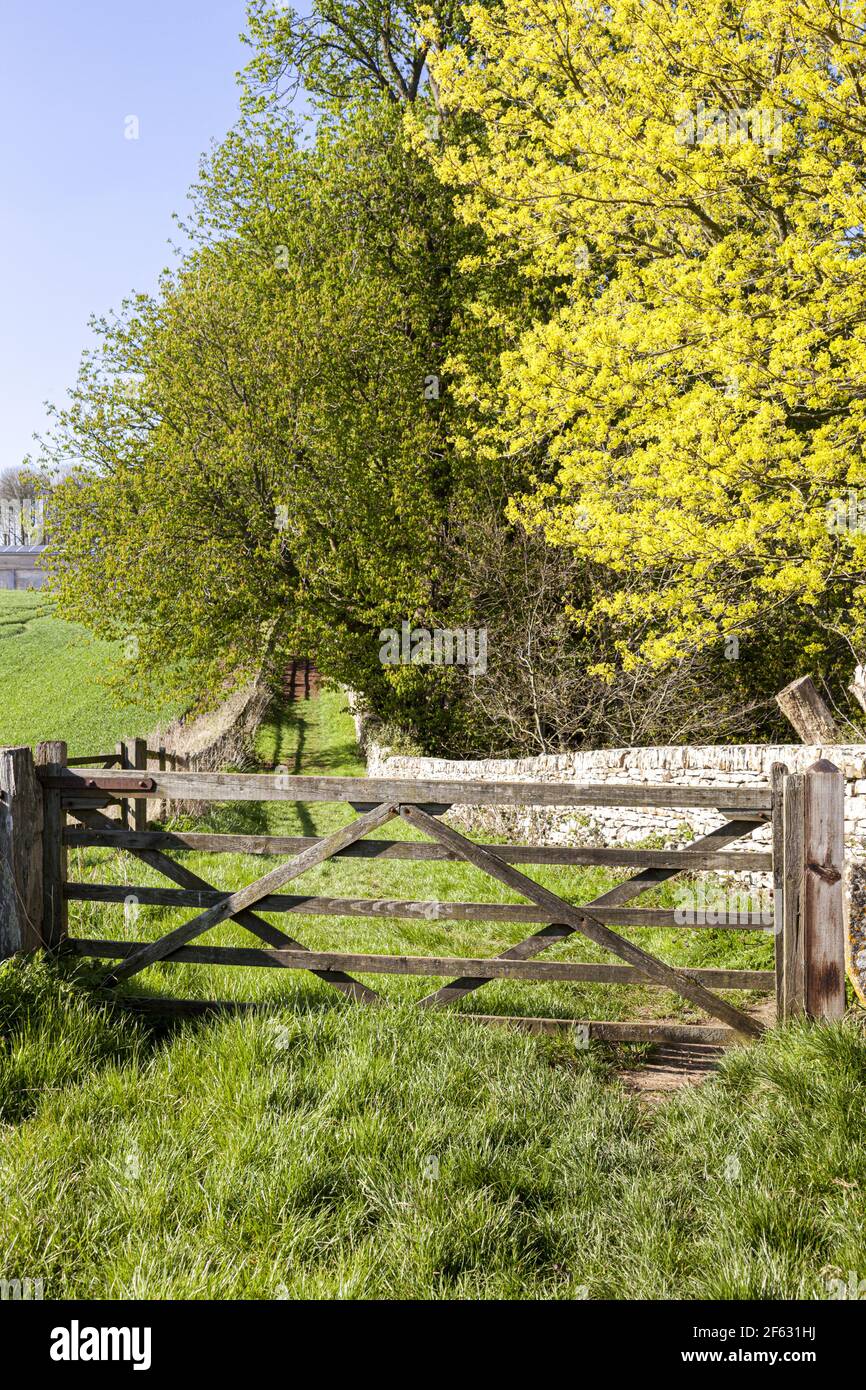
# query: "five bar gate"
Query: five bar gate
50,805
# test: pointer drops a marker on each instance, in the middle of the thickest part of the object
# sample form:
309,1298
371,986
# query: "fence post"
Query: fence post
21,897
52,756
123,804
794,864
814,893
824,895
778,773
136,753
161,805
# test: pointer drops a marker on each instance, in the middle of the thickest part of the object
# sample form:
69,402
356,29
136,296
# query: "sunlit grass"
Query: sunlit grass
345,1152
53,681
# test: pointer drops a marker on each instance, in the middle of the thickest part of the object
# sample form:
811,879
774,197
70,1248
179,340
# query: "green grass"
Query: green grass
369,1153
52,674
321,1150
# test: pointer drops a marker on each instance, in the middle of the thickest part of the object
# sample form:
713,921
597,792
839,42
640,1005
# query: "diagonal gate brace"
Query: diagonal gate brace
183,876
577,919
233,903
623,892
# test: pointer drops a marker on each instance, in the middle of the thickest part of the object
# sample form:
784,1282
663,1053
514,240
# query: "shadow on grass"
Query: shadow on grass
291,730
293,724
59,1027
56,1033
160,1014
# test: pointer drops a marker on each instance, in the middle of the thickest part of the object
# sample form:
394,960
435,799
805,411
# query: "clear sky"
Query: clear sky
85,213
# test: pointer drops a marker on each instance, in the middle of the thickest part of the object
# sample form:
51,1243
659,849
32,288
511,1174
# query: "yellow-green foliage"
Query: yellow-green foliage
689,179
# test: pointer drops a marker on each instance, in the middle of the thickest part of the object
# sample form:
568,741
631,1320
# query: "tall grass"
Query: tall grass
348,1153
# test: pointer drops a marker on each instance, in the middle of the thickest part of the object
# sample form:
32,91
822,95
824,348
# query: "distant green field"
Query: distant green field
52,678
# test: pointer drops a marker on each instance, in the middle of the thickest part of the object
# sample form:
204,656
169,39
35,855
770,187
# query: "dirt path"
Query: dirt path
301,680
670,1066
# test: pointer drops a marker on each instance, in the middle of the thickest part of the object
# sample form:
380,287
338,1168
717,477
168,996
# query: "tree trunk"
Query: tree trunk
858,686
804,708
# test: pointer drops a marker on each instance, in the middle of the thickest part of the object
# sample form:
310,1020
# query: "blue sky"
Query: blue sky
86,214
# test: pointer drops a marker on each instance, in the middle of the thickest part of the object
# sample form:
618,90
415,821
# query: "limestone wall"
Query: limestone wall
736,765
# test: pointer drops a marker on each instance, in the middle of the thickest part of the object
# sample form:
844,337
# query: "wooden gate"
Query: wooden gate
52,806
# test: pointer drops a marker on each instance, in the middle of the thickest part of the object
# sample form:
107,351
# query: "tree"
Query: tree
692,176
346,50
261,471
263,446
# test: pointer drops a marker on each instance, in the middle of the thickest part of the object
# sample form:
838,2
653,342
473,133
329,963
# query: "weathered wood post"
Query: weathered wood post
123,804
136,757
52,756
778,773
803,707
814,893
21,897
161,805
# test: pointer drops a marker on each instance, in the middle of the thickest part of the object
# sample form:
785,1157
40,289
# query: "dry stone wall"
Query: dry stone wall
736,765
224,737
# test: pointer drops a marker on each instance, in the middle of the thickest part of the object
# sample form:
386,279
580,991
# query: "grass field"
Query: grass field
52,678
322,1150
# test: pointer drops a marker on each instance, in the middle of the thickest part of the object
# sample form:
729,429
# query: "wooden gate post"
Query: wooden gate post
136,757
52,756
778,773
123,804
21,898
814,893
